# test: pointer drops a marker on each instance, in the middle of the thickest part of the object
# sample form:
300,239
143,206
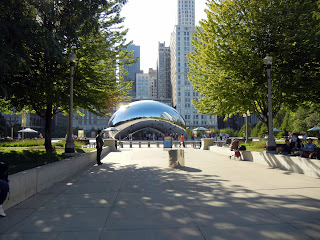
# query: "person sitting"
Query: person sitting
309,149
317,154
296,142
286,149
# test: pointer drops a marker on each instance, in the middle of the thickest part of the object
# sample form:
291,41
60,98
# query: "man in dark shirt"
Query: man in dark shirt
286,148
99,143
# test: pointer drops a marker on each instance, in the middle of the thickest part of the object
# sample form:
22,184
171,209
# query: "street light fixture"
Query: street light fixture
69,148
271,145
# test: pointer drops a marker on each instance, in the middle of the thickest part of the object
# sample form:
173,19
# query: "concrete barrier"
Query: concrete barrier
110,143
206,143
176,158
309,167
27,183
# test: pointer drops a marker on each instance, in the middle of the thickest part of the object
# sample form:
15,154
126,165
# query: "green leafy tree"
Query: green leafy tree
286,124
259,130
226,66
229,131
49,31
305,118
243,130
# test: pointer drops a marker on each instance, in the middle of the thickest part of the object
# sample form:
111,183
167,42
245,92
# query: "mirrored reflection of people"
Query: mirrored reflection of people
99,143
309,149
182,141
286,149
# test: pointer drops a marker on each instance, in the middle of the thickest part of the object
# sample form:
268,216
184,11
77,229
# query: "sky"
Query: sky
152,21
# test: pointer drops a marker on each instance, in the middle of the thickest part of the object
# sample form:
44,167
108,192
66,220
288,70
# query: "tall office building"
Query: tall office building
133,69
180,46
164,90
152,84
145,84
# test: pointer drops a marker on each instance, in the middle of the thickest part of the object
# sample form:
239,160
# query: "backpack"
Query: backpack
242,148
4,171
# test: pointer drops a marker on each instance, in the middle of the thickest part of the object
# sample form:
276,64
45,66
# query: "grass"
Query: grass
261,146
256,146
27,154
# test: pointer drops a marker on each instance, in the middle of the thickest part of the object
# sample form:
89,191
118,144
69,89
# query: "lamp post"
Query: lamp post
271,145
69,148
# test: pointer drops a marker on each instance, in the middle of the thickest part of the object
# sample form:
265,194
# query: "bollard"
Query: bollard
148,144
130,144
158,144
176,158
139,144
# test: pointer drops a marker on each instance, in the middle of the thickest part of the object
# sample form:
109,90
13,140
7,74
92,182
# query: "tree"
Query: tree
242,130
51,30
286,125
226,66
305,118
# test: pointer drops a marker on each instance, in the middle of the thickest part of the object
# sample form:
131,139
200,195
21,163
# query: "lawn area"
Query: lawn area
256,146
27,154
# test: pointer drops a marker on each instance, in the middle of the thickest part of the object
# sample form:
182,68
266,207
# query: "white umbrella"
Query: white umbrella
28,130
111,129
200,129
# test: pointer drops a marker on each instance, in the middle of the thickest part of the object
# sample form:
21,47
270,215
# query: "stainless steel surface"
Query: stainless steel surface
146,114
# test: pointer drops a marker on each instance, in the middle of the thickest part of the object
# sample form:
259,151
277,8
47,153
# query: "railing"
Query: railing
158,144
154,143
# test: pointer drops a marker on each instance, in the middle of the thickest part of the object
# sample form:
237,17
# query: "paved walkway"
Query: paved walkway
134,195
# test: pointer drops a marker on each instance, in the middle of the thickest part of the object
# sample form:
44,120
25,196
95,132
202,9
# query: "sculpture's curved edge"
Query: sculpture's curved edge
146,113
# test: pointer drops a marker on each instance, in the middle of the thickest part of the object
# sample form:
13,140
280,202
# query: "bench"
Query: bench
220,143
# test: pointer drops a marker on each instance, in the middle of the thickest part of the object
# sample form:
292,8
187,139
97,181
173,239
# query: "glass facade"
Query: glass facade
133,69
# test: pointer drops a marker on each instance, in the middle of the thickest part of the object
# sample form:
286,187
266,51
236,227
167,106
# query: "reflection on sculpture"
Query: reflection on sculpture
142,114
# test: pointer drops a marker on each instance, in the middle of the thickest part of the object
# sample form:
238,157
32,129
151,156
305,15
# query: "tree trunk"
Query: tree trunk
48,128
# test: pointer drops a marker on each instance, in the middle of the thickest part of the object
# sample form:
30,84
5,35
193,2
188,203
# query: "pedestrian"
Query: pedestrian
4,186
99,143
182,141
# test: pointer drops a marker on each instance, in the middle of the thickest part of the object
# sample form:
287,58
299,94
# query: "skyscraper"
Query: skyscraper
180,46
164,89
133,69
145,84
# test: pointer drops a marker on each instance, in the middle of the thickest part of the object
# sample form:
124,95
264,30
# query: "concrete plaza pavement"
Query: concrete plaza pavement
134,195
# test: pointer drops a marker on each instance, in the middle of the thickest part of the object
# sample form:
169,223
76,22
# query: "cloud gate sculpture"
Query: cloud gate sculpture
146,114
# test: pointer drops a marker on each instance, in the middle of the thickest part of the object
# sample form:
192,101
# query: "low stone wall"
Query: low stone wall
27,183
309,167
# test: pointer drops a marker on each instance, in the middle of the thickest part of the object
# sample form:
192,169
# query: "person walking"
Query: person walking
99,143
182,140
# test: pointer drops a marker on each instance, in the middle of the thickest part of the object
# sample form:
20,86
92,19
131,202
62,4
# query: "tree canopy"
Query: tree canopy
226,65
36,38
